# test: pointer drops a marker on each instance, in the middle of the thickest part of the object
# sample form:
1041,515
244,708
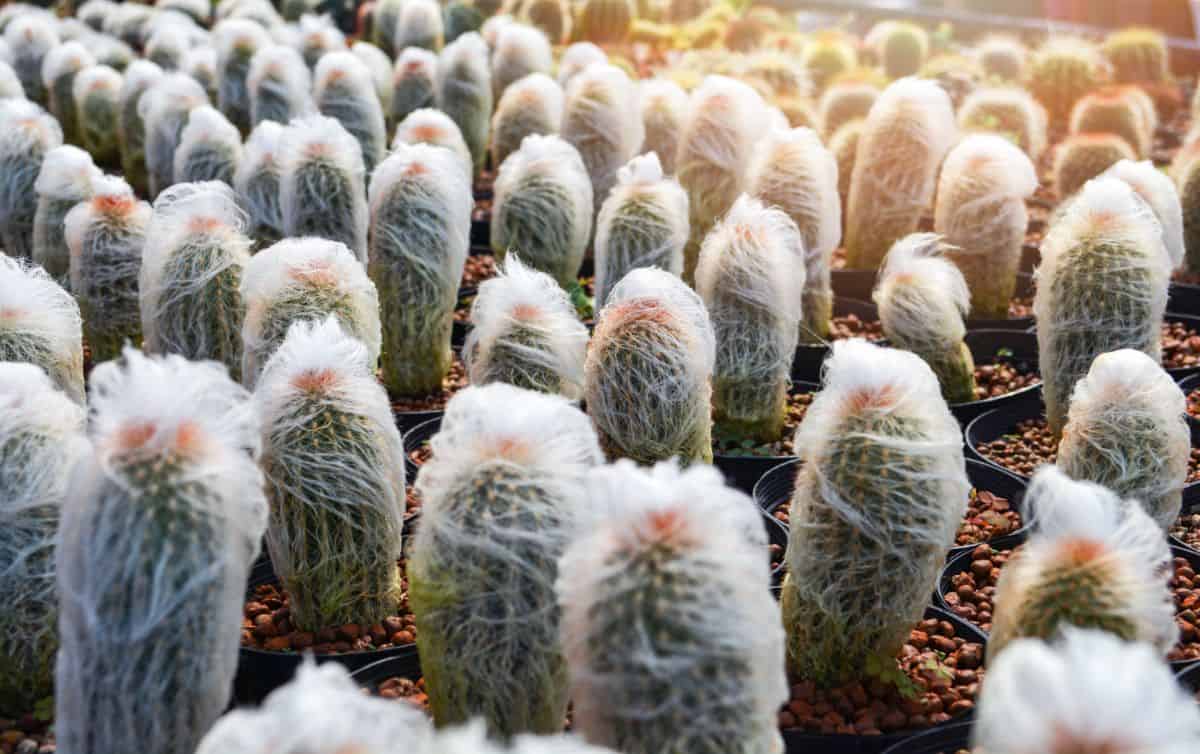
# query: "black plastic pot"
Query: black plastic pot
402,666
1187,385
985,345
1191,504
947,739
414,438
807,363
743,472
407,420
481,234
859,284
1184,299
1189,677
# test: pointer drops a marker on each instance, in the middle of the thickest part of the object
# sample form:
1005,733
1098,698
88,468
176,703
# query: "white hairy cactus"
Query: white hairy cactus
668,566
464,91
845,101
97,92
257,183
344,90
419,25
1009,111
602,120
30,36
430,126
318,37
304,279
140,76
1158,190
1002,56
530,105
210,148
27,133
278,85
525,332
664,105
167,43
1092,560
164,109
59,68
519,51
41,325
380,66
237,42
201,64
64,180
158,532
576,57
10,85
414,82
321,184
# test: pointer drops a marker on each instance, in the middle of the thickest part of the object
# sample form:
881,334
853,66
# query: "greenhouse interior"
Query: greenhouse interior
599,377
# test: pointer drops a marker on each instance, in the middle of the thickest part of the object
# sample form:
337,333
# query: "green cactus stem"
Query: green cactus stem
1061,72
42,325
464,91
237,41
1002,57
414,82
530,105
826,55
901,47
27,133
59,69
344,90
1138,55
140,76
1008,111
64,180
257,183
1082,157
210,148
278,85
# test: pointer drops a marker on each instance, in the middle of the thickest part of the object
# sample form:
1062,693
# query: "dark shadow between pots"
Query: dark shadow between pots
988,346
481,234
403,666
414,438
743,472
1189,678
1184,299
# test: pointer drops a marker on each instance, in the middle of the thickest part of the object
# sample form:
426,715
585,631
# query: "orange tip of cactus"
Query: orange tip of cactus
315,380
204,224
1080,551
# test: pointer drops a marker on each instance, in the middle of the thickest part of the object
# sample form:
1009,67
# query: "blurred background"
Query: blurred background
1176,17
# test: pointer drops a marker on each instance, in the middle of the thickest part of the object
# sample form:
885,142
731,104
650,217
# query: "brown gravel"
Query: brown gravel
1184,277
478,268
482,212
1187,530
1181,346
1193,403
1020,307
799,400
851,326
455,381
412,503
1002,377
407,689
26,736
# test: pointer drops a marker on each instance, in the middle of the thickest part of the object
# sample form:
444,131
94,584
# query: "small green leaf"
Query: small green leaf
43,711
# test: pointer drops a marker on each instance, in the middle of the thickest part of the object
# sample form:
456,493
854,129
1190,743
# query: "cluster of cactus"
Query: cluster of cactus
164,109
907,134
238,40
1081,157
604,21
41,325
663,105
981,215
670,567
140,76
64,180
414,82
1061,72
648,373
210,148
1102,286
27,134
278,85
602,120
1157,189
42,437
503,494
257,183
1093,560
530,105
1011,112
344,90
157,535
420,216
98,103
826,55
1138,56
1124,111
29,37
857,533
1002,57
464,91
901,47
519,51
59,68
434,127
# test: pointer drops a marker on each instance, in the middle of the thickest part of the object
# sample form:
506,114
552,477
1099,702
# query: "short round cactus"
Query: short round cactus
278,85
1158,190
1061,72
1185,171
1138,56
604,21
30,36
1117,111
64,180
210,148
901,47
530,105
1002,57
140,76
519,51
41,326
414,82
98,102
164,109
257,183
601,119
460,17
343,90
844,101
664,105
237,40
464,91
1008,111
1082,157
419,25
27,133
59,68
434,127
380,66
826,55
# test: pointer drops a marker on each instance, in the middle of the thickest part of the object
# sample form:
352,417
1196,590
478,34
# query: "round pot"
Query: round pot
985,345
807,363
415,437
403,666
1188,320
1189,677
777,535
860,284
743,472
944,740
1184,299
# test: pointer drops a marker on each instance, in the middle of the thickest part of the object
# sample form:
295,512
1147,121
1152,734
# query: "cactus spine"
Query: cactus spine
64,180
464,91
1061,72
434,127
602,121
520,50
278,85
343,90
238,40
663,104
530,105
502,493
1082,157
27,134
41,326
98,103
59,68
420,217
164,109
826,55
413,82
210,148
140,76
879,408
1008,111
844,146
158,532
257,183
1138,56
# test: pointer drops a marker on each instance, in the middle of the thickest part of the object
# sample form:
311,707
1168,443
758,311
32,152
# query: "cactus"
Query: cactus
199,11
844,101
464,91
909,131
1185,171
300,279
575,58
64,180
520,50
278,85
525,332
164,109
1080,158
343,90
167,45
1102,285
429,126
647,377
844,147
380,67
530,105
59,68
238,40
321,183
669,568
98,102
385,18
30,37
826,55
42,437
210,148
317,38
41,326
201,64
553,17
458,18
140,76
981,215
601,119
1002,57
901,47
420,216
27,133
158,532
1062,72
1009,111
257,183
1093,560
129,23
419,25
1112,111
413,82
604,22
542,208
1138,56
503,494
112,52
663,105
879,408
793,171
94,13
1158,190
10,85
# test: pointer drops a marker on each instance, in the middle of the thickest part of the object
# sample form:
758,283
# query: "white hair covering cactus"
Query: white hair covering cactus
318,37
237,42
844,101
1009,111
1126,430
667,571
64,180
59,68
27,133
321,184
30,36
421,218
278,85
1087,693
664,105
751,277
257,183
1102,285
98,102
300,279
542,209
648,373
530,105
1158,190
210,148
793,171
419,25
380,66
430,126
10,85
343,89
1092,560
140,76
168,42
519,51
981,215
164,109
857,533
525,332
414,82
642,223
576,57
158,533
909,130
602,120
201,64
41,325
464,91
502,492
42,437
334,465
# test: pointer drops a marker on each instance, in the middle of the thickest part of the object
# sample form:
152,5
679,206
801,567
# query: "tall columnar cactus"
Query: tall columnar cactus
167,43
384,18
879,408
542,208
237,41
525,332
95,13
844,101
1002,57
826,55
1138,56
519,51
1126,431
59,68
664,105
343,90
414,82
844,147
1185,171
278,85
648,374
503,494
192,264
981,215
1093,560
793,171
334,466
601,119
41,326
1102,285
460,17
300,279
321,191
604,22
164,110
257,183
380,66
27,134
529,105
668,569
901,47
576,57
64,180
1116,111
430,126
158,532
201,64
419,25
464,91
553,17
42,438
922,300
1158,190
318,36
1062,71
1010,112
210,148
420,221
910,129
1080,158
98,103
10,85
140,76
30,36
